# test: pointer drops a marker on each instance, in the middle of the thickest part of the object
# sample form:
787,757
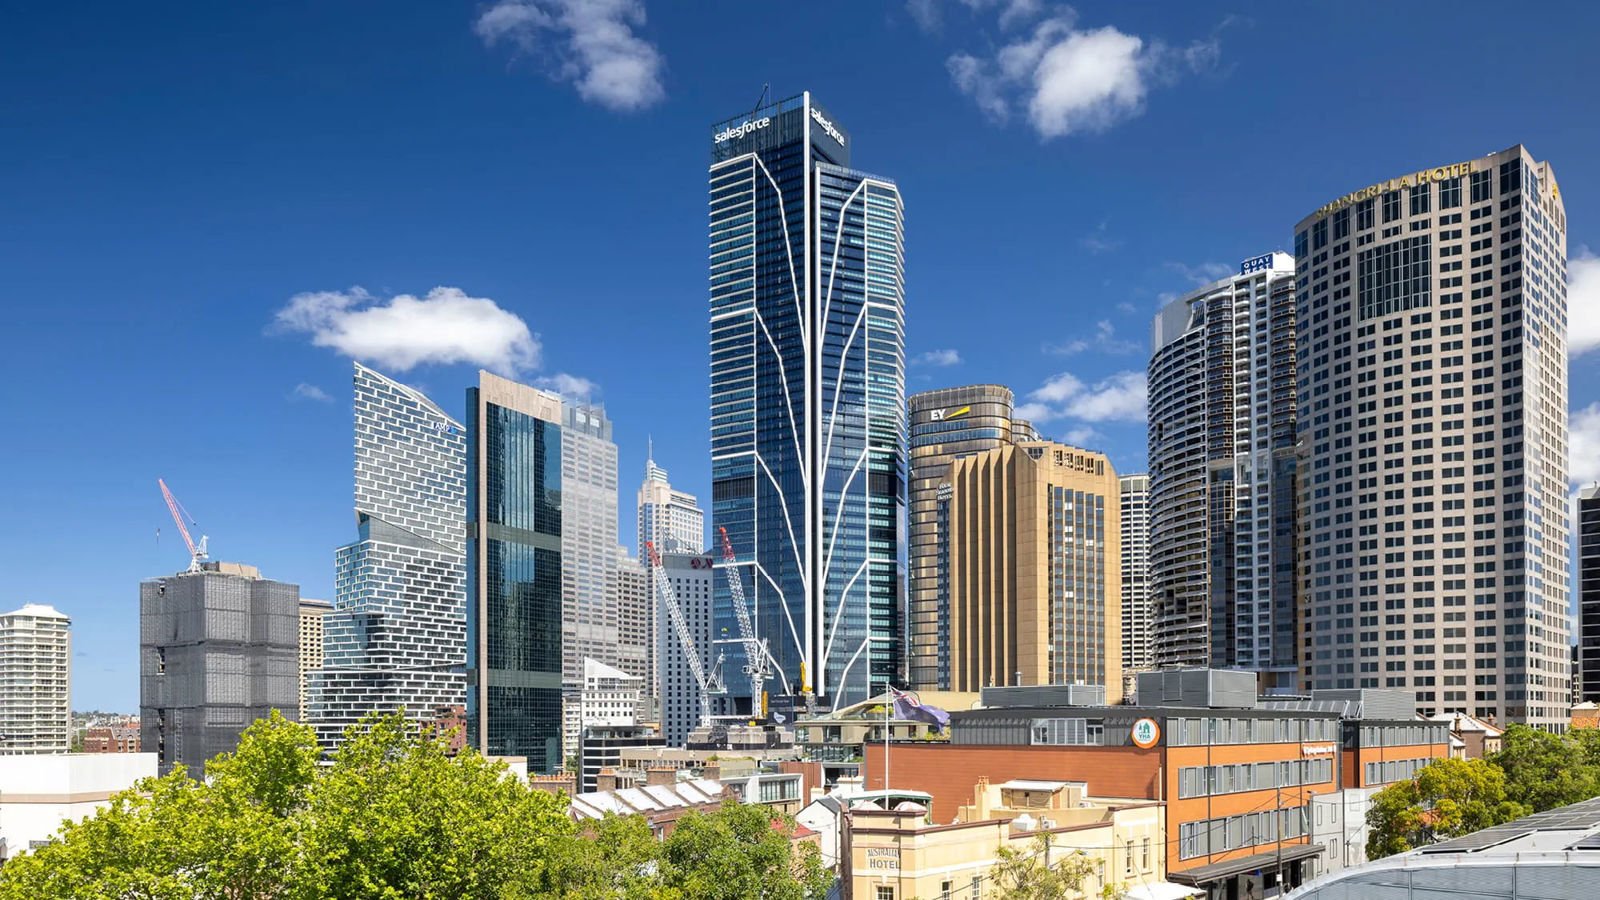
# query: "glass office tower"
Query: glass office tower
514,604
396,635
808,428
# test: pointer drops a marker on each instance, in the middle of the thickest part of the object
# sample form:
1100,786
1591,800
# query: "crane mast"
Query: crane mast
755,650
707,684
197,552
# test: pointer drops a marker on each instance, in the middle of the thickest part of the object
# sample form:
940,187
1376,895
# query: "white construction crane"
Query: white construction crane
755,650
197,552
709,685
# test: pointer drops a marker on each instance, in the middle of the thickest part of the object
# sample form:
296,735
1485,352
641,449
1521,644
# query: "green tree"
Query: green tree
396,816
740,851
1447,798
1041,872
1544,770
617,859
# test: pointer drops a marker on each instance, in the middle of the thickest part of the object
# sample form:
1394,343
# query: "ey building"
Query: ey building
946,425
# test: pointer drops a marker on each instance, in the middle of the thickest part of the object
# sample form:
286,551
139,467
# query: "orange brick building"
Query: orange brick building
1237,782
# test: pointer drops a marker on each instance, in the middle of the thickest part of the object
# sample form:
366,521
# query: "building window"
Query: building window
1364,214
1395,277
1391,206
1479,183
1419,199
885,892
1450,193
1068,732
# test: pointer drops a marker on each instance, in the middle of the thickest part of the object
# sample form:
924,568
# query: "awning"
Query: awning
1161,890
1265,862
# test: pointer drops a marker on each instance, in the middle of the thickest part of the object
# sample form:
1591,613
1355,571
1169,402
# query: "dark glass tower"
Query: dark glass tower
808,428
1588,537
514,572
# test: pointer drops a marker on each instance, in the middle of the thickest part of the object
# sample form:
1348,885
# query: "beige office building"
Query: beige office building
946,424
1034,553
311,613
1432,383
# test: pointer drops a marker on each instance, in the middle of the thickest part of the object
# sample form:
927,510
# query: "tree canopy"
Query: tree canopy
1446,799
394,815
1040,871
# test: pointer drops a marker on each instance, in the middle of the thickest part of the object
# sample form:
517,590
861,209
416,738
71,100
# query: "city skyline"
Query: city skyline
233,289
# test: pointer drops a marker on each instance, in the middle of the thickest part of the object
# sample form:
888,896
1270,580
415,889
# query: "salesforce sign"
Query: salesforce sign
827,126
735,132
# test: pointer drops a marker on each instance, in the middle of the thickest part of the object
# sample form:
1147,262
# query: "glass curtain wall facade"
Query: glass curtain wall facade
1432,380
514,569
946,425
1222,475
808,431
396,638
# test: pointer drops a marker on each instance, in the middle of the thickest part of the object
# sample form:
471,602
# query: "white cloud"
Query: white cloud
303,391
1070,80
591,42
1098,242
925,13
937,358
1202,274
1104,340
403,332
1082,436
570,387
1583,303
1118,398
1583,445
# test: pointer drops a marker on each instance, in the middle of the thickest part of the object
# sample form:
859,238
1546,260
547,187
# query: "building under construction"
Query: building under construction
217,650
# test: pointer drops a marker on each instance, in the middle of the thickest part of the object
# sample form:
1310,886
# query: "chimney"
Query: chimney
608,780
711,771
661,775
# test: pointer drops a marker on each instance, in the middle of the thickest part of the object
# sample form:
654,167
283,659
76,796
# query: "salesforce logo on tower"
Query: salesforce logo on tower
735,132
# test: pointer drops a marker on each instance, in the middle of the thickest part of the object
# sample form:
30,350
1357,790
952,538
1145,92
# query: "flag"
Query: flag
909,706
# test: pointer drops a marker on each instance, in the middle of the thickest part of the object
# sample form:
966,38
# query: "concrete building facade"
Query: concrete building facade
1588,538
41,792
946,424
35,681
672,522
1432,398
217,650
1222,474
1035,562
310,654
692,578
1138,604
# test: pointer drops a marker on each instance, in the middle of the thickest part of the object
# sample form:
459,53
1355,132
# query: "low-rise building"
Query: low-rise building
898,854
1238,779
111,739
601,747
39,792
1478,738
1553,854
662,803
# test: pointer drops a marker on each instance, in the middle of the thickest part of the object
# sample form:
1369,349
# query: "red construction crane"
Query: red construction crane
197,552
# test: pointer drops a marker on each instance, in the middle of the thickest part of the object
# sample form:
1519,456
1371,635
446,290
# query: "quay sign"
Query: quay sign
1394,184
1259,264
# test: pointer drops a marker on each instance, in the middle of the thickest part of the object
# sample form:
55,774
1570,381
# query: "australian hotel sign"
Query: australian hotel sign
1442,173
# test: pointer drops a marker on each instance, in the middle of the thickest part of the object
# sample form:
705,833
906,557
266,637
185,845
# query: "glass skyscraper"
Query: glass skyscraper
808,428
514,571
396,636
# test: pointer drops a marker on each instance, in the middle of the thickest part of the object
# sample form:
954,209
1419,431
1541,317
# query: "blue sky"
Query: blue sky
530,176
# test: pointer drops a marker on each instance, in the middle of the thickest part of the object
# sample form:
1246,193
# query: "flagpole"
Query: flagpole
890,694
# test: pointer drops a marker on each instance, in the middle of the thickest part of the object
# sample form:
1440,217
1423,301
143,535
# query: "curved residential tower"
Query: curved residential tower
1222,470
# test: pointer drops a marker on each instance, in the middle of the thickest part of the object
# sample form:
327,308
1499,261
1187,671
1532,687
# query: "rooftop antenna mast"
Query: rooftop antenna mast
765,89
